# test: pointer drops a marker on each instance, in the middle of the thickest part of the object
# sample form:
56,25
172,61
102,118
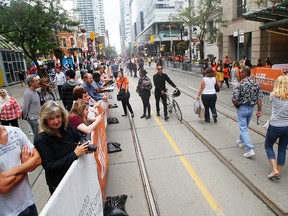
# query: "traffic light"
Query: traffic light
92,35
152,39
100,46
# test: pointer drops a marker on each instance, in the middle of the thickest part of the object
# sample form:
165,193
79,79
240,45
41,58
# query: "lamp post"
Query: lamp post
190,36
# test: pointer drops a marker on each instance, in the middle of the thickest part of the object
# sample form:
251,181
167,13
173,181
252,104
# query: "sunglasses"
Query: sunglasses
159,68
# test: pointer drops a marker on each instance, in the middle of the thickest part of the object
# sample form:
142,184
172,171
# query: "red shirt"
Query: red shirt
11,110
75,120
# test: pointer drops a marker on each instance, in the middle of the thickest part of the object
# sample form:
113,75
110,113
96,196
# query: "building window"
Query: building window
71,42
241,7
64,42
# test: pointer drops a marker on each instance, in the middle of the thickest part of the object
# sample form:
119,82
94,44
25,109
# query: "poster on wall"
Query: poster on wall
2,82
67,63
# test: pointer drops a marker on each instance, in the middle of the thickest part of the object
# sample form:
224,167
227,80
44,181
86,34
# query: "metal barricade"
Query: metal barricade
266,85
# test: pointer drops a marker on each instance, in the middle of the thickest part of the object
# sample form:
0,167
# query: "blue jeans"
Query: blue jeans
244,116
34,123
273,133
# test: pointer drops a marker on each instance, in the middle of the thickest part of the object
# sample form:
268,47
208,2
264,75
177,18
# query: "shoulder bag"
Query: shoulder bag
123,94
267,123
216,86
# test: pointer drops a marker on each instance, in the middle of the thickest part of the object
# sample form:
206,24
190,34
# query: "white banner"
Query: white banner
78,193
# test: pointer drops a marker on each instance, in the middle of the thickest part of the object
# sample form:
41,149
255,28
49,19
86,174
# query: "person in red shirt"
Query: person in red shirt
226,72
10,110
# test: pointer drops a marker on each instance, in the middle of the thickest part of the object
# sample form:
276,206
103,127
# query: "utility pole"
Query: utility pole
190,35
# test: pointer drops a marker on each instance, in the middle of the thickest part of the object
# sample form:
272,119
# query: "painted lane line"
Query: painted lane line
205,192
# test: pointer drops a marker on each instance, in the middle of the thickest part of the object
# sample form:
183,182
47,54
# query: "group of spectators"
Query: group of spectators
61,134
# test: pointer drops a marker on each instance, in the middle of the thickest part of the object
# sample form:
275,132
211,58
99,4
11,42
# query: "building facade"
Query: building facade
151,18
11,61
90,14
245,37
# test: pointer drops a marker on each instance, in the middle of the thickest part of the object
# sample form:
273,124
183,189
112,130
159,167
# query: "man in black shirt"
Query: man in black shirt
159,80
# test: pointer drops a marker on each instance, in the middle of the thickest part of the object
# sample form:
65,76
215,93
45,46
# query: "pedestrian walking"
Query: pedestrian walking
22,77
208,94
123,85
31,104
10,109
114,69
278,126
144,90
235,73
159,80
18,157
219,73
60,79
245,96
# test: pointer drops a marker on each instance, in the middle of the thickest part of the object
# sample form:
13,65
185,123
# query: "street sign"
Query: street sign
152,39
92,35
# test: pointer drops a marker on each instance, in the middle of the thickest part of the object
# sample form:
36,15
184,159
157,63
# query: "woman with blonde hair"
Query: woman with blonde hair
78,118
10,110
278,126
57,143
45,92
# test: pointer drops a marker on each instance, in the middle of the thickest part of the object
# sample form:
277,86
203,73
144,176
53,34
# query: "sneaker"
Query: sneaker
239,144
148,116
158,114
215,119
143,116
249,153
166,117
30,133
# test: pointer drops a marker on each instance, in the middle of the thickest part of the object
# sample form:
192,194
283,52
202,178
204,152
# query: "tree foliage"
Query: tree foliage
32,25
110,52
198,16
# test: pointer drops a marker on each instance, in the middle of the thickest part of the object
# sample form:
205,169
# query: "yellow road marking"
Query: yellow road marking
207,195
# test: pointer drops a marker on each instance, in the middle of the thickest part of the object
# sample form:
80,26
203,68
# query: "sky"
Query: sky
112,20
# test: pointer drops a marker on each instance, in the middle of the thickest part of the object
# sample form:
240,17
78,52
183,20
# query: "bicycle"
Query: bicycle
172,105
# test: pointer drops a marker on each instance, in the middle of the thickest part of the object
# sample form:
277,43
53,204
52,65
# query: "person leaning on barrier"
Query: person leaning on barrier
245,96
17,157
278,126
57,143
78,118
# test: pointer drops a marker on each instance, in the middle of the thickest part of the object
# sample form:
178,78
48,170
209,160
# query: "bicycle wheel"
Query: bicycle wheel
177,110
168,102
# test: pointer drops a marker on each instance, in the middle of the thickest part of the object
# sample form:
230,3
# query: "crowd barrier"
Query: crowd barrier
81,191
266,77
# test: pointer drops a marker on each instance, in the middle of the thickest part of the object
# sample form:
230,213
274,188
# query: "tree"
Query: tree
110,52
198,16
32,25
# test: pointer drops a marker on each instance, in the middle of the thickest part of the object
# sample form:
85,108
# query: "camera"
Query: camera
91,147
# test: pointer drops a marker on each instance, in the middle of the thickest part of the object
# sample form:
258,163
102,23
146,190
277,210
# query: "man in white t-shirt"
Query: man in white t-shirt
17,157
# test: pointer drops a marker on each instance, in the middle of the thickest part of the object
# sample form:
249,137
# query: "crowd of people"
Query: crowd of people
61,132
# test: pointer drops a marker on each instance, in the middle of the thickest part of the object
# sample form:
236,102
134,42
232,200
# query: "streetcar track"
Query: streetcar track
153,208
231,167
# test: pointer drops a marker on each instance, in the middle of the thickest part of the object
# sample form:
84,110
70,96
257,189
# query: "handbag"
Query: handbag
197,107
122,95
267,123
216,86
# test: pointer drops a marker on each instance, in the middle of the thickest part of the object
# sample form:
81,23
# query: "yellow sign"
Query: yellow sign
92,35
135,43
100,46
1,78
152,39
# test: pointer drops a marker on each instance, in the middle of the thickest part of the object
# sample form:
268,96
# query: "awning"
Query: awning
274,18
5,44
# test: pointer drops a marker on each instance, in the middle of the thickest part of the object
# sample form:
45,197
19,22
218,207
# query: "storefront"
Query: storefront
11,61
